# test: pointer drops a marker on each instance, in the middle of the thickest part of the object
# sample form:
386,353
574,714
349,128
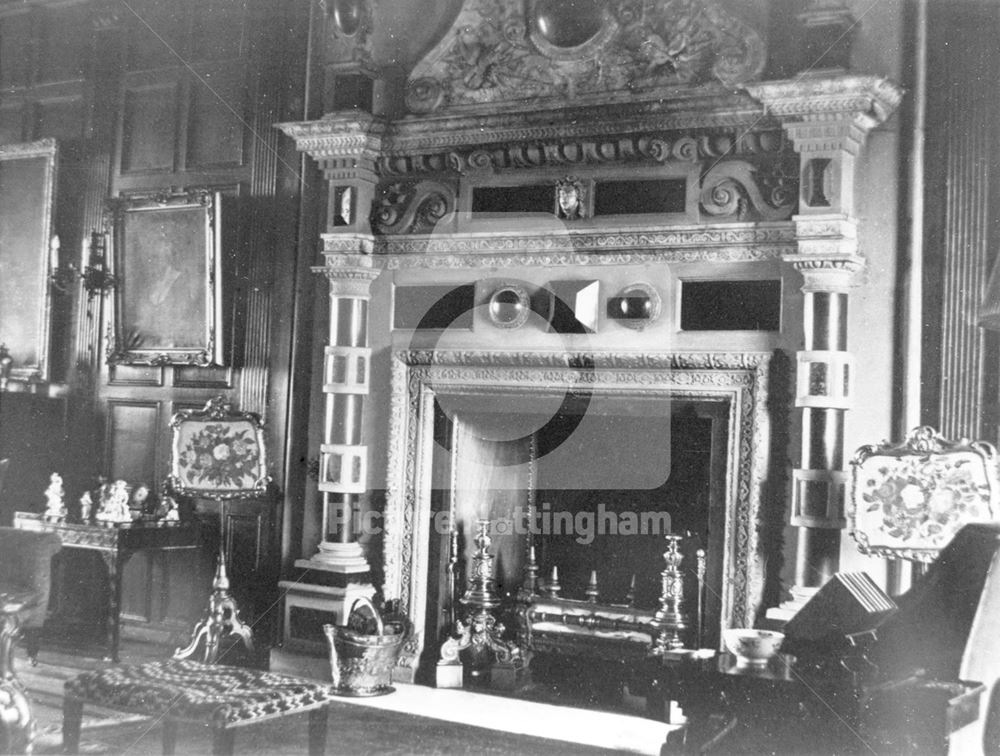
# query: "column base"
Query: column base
347,558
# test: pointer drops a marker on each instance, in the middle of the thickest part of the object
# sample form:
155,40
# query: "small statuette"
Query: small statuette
86,505
114,503
55,506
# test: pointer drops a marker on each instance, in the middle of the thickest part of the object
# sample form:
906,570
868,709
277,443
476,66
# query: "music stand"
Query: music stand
218,453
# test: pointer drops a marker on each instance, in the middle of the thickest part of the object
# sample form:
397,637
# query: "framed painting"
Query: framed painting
217,452
167,263
27,196
908,501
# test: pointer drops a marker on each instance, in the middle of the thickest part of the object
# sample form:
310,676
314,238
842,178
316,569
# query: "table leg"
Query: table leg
114,561
169,736
72,719
222,741
317,731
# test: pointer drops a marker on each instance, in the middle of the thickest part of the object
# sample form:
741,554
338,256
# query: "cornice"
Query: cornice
870,100
338,135
710,107
472,358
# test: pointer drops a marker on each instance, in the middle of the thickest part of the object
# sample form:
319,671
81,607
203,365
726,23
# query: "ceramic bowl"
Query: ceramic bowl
755,647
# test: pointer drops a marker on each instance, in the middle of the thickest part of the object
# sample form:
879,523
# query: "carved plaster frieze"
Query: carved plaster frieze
348,244
418,376
496,52
651,147
732,242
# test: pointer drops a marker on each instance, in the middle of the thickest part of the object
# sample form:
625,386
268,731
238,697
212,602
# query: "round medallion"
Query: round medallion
509,307
636,306
348,15
568,23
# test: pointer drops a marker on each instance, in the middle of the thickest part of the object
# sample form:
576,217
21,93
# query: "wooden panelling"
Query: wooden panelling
215,120
203,377
62,119
155,34
10,124
16,53
135,375
65,41
133,432
149,128
220,31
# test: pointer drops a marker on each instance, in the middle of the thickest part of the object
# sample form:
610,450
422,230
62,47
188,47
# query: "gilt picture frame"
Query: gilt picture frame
27,199
167,262
217,452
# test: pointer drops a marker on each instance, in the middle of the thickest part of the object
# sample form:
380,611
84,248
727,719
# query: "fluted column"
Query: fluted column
827,120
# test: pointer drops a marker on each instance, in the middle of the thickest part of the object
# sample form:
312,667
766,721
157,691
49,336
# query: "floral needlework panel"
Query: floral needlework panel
218,456
915,503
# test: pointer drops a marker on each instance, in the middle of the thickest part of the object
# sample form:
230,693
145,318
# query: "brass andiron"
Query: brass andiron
669,618
478,640
552,588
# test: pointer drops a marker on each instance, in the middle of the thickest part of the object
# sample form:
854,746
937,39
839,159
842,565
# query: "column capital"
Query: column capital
829,114
346,145
827,254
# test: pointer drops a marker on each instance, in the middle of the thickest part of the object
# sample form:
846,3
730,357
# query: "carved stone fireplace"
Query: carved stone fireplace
685,168
736,382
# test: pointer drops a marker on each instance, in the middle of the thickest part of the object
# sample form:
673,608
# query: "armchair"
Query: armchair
25,568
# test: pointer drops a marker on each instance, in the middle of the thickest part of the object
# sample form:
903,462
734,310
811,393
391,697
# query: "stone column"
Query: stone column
827,120
346,147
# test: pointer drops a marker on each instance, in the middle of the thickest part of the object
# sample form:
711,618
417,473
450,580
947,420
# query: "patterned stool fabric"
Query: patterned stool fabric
225,697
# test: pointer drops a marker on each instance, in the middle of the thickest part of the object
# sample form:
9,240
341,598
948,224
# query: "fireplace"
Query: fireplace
449,407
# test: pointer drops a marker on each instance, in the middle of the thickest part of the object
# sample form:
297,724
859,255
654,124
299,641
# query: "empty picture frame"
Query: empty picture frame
27,193
167,260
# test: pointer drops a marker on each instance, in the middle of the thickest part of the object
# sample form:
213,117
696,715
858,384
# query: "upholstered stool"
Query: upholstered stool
189,691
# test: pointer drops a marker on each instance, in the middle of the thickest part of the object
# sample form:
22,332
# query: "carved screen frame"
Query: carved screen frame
907,501
167,261
27,345
217,453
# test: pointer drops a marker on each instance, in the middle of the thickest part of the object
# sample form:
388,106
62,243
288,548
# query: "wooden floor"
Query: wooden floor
414,720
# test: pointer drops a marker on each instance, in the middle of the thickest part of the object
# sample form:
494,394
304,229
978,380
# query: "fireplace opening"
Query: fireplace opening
632,470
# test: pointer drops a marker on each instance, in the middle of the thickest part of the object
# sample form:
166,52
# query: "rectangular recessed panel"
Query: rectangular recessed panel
351,92
533,198
133,429
149,131
433,307
65,45
215,131
631,197
731,305
307,624
15,50
61,119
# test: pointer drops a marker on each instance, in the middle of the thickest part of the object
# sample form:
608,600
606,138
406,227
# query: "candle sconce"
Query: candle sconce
96,277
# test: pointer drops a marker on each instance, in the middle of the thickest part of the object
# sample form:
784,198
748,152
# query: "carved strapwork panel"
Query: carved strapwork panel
412,207
499,51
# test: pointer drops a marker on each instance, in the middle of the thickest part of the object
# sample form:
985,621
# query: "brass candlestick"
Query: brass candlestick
480,636
669,618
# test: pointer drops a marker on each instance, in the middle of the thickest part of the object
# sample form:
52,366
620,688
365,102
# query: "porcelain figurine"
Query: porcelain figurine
55,506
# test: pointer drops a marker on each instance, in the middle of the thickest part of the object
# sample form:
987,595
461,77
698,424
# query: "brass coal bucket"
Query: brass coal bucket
362,662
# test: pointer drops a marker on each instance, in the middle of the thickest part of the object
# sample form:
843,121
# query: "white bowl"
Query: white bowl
756,647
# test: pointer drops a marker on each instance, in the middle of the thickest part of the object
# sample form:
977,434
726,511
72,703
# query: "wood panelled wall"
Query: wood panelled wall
961,360
154,96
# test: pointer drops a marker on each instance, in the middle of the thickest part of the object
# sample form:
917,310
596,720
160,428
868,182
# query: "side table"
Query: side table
115,543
